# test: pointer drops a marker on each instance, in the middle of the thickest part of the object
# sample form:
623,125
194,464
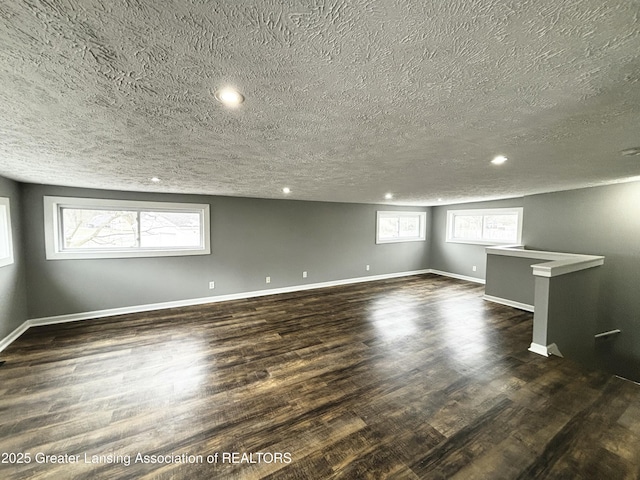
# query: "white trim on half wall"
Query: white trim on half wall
509,303
459,277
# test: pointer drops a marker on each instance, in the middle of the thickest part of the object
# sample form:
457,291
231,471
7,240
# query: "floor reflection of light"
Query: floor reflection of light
464,331
175,367
394,316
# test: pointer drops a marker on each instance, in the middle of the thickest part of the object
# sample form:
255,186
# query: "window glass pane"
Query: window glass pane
501,227
99,229
388,227
401,226
493,226
80,228
468,227
409,227
5,238
170,229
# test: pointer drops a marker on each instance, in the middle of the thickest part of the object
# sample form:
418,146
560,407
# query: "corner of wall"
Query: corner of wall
13,290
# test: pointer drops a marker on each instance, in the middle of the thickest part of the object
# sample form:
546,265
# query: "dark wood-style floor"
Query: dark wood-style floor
408,378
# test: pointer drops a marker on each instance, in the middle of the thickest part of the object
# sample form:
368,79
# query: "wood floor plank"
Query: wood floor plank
408,378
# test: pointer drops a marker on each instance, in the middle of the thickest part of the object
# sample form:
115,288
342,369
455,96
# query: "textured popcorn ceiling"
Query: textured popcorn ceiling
345,100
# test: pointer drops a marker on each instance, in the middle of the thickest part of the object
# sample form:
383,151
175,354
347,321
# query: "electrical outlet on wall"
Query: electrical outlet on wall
212,285
367,268
304,274
268,280
474,268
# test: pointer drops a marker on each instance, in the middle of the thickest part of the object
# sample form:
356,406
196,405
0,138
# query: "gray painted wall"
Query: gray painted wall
574,299
251,239
13,290
459,258
599,221
511,278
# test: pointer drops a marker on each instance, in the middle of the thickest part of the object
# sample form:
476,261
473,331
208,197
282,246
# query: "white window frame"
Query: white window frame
6,232
396,214
53,228
451,214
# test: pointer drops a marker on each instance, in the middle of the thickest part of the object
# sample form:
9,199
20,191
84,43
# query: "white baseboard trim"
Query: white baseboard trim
9,339
539,349
545,351
622,378
459,277
110,312
554,350
508,303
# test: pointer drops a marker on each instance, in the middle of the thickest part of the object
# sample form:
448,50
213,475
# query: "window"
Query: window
401,227
99,228
6,243
487,227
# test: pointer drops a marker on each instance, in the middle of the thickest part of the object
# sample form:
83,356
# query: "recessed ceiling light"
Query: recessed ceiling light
630,152
286,190
155,179
229,97
388,196
499,160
